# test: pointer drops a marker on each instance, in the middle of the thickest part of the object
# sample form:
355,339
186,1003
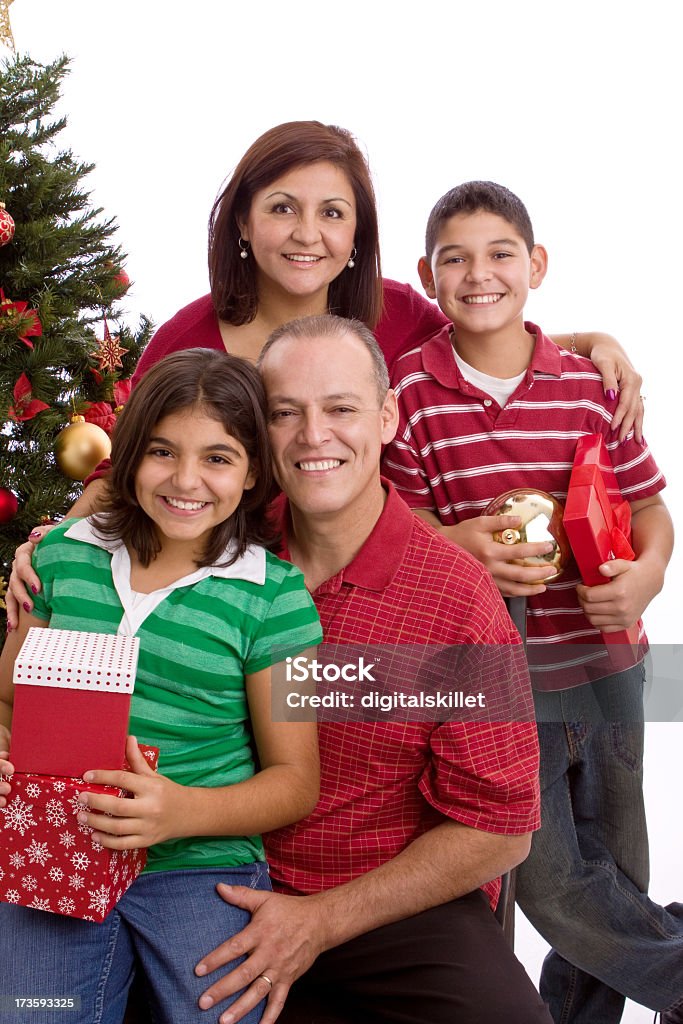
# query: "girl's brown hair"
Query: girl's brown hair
355,292
219,385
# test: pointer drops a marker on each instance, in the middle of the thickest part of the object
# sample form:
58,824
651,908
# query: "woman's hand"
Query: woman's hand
23,581
618,377
152,815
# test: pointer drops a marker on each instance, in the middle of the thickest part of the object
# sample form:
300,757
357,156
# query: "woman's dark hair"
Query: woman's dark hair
227,389
355,292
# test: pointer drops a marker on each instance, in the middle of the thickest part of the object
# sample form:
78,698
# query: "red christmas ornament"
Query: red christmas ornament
123,281
6,226
8,505
119,277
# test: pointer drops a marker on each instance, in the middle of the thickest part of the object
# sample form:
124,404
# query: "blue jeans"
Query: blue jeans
164,923
584,884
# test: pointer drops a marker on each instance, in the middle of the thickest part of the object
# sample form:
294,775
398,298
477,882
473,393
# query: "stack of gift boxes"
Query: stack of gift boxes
71,708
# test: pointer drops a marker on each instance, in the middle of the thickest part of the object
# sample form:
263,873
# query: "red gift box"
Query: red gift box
65,680
72,695
49,861
598,520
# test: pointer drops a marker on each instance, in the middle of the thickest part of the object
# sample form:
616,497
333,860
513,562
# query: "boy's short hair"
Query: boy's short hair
473,196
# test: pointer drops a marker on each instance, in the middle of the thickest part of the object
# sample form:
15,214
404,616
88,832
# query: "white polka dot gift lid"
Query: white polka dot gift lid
74,660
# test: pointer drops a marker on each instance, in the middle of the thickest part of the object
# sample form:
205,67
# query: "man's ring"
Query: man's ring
266,978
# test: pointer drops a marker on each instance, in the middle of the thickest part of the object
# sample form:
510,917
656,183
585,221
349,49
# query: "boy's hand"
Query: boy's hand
476,536
154,814
23,581
622,599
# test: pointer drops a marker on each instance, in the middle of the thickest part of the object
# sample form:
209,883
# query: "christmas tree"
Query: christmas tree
63,347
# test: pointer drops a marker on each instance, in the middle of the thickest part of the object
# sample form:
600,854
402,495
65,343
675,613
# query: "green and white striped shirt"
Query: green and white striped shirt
199,638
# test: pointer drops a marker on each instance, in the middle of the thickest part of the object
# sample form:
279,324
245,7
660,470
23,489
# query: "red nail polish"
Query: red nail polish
26,606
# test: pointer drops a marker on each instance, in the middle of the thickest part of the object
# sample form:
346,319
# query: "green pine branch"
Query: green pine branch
62,261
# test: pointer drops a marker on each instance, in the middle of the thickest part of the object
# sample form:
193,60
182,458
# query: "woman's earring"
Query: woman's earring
244,248
352,259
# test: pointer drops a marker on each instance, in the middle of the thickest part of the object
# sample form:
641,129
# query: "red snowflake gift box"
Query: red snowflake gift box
49,861
72,695
598,523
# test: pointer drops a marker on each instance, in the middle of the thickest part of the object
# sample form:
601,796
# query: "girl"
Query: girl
176,558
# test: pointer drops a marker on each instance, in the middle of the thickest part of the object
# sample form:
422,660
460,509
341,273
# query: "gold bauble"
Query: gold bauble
80,447
541,516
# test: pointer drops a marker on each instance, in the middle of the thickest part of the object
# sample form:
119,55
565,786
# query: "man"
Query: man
379,912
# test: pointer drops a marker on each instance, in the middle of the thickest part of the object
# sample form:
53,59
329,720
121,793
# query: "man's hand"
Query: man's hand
476,536
154,814
283,938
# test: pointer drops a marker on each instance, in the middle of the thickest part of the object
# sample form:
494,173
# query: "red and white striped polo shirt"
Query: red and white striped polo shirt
456,449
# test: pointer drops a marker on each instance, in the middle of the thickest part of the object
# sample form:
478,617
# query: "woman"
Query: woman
294,233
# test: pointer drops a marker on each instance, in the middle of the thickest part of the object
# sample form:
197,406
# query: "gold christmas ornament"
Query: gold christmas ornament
541,516
80,447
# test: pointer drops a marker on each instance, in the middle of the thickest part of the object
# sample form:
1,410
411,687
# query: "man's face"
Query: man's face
326,423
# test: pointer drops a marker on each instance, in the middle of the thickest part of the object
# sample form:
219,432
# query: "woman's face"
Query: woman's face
301,229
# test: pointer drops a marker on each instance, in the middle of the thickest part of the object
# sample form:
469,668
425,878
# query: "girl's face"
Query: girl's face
191,478
301,229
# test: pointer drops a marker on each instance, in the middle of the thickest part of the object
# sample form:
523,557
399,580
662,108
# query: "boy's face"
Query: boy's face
481,272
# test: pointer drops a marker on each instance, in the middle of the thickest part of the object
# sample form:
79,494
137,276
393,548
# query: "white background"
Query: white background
576,107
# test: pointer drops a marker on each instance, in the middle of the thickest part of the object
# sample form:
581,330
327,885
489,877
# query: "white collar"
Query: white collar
251,566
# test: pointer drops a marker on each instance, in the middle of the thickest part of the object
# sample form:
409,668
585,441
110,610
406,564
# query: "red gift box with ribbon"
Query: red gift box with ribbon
72,697
598,520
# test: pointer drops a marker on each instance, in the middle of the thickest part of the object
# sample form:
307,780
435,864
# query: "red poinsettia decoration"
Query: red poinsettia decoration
26,406
20,318
104,414
101,414
122,392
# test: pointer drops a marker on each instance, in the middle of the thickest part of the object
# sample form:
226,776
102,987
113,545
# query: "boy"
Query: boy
489,404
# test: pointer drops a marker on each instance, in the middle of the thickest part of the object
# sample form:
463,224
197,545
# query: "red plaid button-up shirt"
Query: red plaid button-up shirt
383,784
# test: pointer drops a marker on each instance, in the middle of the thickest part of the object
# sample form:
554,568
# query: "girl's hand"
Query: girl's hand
23,581
153,814
5,767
